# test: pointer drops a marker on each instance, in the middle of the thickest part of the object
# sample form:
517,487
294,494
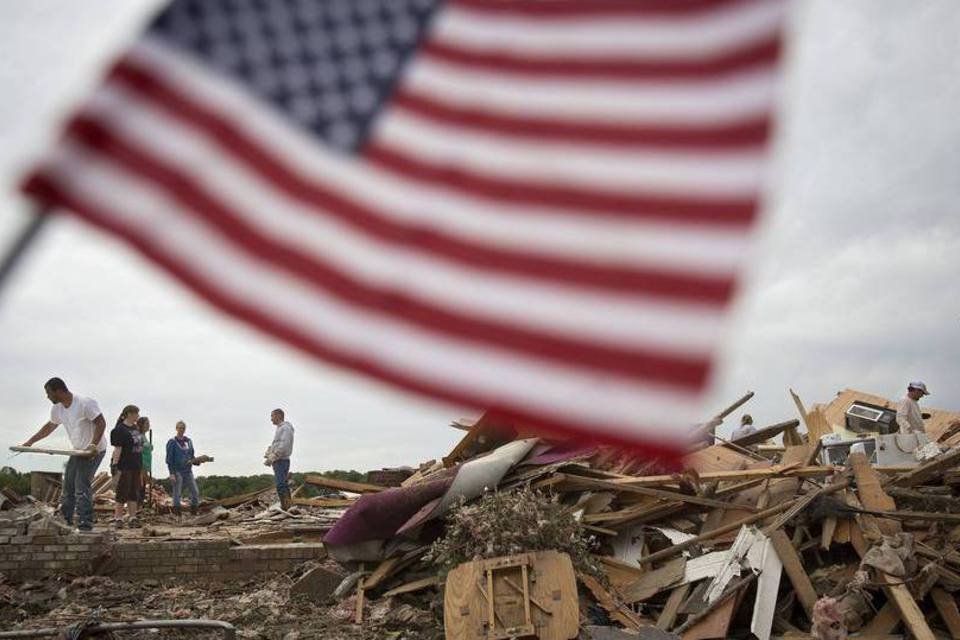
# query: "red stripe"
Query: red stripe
667,369
736,136
580,8
678,210
46,190
230,138
763,53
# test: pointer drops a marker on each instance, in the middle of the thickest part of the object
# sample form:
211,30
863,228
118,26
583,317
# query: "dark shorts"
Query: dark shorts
128,486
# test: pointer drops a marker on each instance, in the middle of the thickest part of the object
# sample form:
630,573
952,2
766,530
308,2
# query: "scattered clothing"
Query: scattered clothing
909,418
77,420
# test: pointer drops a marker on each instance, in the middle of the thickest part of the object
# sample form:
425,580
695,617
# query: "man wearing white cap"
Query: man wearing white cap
909,417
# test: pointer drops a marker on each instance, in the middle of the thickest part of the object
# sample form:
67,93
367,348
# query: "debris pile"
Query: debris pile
786,540
836,529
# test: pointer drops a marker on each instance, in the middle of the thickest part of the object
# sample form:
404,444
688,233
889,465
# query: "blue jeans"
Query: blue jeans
179,479
76,494
280,470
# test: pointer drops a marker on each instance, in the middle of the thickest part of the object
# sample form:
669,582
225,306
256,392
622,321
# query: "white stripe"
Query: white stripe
591,237
679,37
614,320
561,392
744,95
594,168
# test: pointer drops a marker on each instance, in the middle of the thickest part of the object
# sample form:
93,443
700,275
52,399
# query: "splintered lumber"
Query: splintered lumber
343,485
927,471
384,570
742,475
713,621
793,565
946,606
617,610
902,599
234,501
763,434
733,526
329,503
653,582
669,613
83,453
742,400
871,493
415,585
579,482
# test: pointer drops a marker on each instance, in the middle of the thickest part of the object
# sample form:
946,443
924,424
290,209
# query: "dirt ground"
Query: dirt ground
259,609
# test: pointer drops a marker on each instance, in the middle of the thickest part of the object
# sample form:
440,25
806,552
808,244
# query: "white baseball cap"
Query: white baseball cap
919,386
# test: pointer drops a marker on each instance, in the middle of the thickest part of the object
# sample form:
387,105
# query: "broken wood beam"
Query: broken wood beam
812,471
733,526
343,485
793,565
579,482
946,605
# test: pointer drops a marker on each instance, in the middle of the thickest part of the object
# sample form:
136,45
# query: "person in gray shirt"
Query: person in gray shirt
278,455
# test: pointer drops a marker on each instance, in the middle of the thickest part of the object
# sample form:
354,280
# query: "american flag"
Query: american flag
536,207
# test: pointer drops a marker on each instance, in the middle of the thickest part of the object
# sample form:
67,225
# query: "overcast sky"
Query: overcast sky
854,281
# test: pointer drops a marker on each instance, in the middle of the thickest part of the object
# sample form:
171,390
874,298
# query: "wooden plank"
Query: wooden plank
82,453
381,573
793,565
415,585
343,485
738,475
579,482
651,583
946,605
871,493
927,471
617,610
716,622
763,434
233,501
828,528
910,613
776,509
329,503
669,613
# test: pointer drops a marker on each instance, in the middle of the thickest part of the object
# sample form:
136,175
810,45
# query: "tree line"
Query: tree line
213,487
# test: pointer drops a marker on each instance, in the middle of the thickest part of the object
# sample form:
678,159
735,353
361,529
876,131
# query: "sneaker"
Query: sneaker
84,527
118,523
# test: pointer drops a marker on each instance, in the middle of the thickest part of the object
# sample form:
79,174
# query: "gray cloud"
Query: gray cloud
853,282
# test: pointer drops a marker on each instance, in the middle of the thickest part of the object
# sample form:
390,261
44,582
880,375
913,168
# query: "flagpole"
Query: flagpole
20,245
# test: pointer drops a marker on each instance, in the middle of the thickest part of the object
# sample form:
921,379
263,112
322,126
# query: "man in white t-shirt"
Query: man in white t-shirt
85,426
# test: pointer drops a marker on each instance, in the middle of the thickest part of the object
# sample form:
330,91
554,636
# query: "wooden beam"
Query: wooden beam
580,482
410,587
793,565
927,471
330,503
669,613
911,614
733,526
343,485
733,476
946,605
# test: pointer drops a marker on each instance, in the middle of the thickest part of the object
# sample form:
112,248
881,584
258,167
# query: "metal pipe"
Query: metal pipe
229,631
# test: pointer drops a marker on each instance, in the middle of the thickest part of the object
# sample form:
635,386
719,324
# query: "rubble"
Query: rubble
809,538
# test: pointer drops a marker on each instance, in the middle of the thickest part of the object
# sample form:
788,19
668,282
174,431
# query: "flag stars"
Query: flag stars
327,64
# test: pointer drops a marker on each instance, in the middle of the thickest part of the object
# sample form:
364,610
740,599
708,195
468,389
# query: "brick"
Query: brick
21,539
5,539
55,548
68,556
186,569
42,556
79,547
